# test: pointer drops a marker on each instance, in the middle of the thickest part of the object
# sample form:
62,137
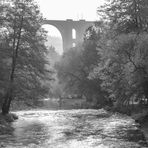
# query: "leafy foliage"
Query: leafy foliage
77,64
24,51
123,69
126,15
122,50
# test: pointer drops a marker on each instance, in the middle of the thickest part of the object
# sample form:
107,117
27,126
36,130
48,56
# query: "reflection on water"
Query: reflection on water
73,129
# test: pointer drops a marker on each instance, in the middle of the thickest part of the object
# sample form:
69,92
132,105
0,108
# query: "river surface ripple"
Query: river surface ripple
73,129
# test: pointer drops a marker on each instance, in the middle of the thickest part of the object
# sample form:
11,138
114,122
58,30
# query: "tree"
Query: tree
68,69
126,15
76,65
26,44
123,68
4,62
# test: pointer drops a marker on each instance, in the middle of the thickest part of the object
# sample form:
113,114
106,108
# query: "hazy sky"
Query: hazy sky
68,9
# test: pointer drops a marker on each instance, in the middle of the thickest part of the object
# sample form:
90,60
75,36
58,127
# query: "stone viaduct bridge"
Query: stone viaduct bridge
72,31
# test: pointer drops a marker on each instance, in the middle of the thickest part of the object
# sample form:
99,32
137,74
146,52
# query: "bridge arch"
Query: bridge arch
66,30
54,37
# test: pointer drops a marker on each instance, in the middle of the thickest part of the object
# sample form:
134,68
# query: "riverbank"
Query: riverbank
140,116
5,121
142,119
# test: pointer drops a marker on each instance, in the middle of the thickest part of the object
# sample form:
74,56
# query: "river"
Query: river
73,129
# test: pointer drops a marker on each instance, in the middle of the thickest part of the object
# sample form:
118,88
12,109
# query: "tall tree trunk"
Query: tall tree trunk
7,101
9,93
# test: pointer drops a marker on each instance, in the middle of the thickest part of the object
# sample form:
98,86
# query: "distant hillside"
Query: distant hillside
55,42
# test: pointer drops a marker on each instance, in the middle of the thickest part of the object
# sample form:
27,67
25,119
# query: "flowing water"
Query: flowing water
73,129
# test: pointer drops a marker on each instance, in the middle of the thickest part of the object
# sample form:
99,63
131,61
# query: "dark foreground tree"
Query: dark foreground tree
24,38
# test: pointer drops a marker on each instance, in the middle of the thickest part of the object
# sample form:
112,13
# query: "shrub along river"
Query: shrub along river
73,129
